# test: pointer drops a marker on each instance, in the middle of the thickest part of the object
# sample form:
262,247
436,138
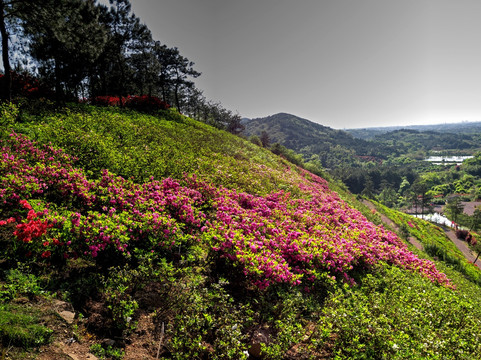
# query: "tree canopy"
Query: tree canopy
83,49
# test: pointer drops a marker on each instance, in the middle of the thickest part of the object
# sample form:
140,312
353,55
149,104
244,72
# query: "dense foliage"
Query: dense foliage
389,166
234,249
66,50
275,238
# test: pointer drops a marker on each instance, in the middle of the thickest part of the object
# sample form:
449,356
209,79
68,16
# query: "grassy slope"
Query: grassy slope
434,241
390,313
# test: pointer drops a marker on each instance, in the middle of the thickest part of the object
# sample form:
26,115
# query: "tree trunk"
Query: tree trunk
476,257
176,97
58,83
7,85
122,79
422,206
164,93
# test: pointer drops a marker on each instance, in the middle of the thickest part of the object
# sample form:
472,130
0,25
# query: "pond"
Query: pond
436,218
448,160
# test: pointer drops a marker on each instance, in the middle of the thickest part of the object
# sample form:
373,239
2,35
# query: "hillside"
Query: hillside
453,128
172,239
373,166
296,133
339,148
309,138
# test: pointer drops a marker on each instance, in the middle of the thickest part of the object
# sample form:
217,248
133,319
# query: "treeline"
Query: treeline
80,49
406,140
374,179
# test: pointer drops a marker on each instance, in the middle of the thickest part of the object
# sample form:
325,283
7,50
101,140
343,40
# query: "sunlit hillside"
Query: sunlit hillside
173,239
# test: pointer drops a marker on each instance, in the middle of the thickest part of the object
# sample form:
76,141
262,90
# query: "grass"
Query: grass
435,242
21,327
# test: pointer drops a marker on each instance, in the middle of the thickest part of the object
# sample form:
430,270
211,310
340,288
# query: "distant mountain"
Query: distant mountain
309,138
335,147
407,140
294,132
458,128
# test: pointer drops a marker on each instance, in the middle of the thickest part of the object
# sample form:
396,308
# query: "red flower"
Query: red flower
25,204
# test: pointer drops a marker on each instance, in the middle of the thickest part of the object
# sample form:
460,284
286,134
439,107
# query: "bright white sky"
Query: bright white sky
341,63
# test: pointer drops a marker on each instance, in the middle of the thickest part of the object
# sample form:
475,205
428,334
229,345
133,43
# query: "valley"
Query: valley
416,166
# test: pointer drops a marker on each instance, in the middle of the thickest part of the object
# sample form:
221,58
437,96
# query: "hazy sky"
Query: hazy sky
341,63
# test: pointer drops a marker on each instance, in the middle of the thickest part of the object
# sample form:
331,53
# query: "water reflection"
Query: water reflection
436,218
441,160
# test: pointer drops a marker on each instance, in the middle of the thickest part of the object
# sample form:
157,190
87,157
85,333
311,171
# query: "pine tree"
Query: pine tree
454,207
11,11
66,39
176,74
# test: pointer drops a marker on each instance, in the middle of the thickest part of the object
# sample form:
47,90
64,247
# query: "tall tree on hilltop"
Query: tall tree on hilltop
11,11
195,105
265,139
166,59
4,7
127,51
66,38
234,125
145,65
183,69
209,112
176,73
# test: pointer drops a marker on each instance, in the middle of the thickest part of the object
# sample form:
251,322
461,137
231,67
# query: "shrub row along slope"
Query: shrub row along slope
227,227
274,238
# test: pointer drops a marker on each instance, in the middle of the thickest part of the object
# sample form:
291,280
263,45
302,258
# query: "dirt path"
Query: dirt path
391,223
461,245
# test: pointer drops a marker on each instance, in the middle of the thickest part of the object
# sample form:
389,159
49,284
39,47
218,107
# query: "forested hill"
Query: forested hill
312,139
463,128
336,148
406,139
297,133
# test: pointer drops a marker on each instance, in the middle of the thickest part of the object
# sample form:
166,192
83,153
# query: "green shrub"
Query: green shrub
20,283
399,315
107,352
20,327
8,115
208,318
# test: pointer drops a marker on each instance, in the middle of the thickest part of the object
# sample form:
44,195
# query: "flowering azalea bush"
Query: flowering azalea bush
106,100
137,102
27,86
276,238
197,223
146,103
279,238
